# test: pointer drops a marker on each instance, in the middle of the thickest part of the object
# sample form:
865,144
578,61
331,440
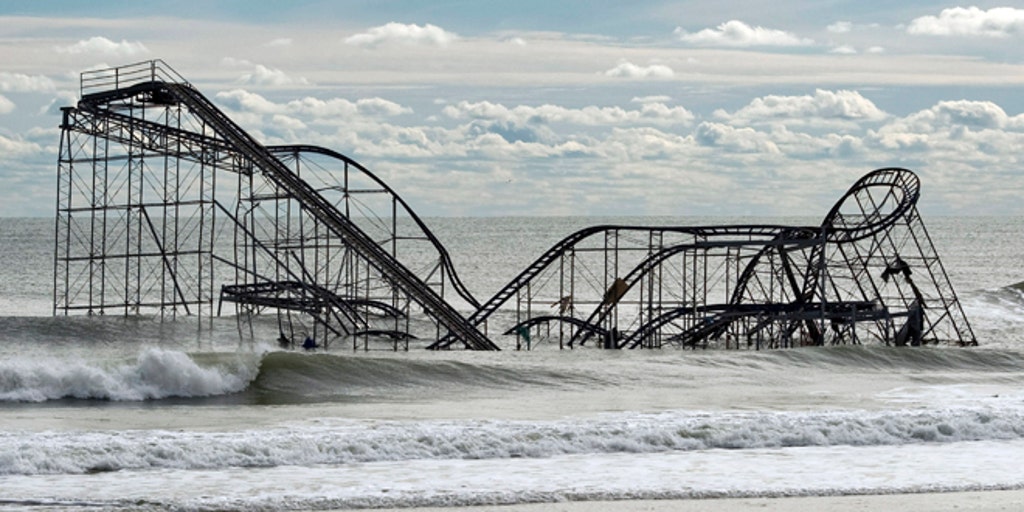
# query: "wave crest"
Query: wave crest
154,374
351,442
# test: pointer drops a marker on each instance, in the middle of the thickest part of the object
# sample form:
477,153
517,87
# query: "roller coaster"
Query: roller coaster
167,207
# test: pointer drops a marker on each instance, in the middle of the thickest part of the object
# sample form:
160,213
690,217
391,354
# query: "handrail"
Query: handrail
121,77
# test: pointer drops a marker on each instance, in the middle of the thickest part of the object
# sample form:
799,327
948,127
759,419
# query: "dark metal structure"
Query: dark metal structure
162,200
869,271
167,207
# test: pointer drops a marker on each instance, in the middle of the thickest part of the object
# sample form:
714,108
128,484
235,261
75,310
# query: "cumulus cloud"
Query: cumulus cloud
840,27
843,49
280,42
100,45
970,21
948,115
283,122
6,105
651,99
744,140
310,107
978,114
510,131
403,33
258,74
245,101
18,82
380,107
61,99
738,33
586,116
645,143
262,75
786,136
842,104
16,148
630,70
960,132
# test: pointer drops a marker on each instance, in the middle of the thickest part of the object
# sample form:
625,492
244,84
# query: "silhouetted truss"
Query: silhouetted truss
868,272
167,207
162,200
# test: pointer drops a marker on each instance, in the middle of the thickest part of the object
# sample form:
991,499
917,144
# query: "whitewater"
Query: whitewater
139,414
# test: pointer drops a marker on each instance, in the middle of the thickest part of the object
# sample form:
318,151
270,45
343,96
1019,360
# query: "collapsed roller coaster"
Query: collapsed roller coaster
167,207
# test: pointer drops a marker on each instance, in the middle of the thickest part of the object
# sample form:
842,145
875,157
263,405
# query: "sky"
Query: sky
761,108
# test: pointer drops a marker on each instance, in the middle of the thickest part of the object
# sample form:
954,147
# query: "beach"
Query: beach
980,501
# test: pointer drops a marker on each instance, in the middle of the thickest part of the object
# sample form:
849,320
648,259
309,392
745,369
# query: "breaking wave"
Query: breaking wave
154,374
361,442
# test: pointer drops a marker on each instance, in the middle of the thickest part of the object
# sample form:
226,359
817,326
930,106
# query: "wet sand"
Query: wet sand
975,501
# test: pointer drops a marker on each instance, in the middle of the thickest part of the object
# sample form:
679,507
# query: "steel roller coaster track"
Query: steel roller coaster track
168,207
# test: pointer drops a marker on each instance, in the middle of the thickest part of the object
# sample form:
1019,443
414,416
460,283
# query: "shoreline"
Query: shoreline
974,501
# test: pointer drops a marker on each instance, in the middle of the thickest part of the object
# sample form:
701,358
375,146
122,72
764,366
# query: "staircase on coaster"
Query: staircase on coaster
166,205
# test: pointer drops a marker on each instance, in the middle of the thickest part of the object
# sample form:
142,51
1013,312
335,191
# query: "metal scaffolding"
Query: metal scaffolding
868,272
167,207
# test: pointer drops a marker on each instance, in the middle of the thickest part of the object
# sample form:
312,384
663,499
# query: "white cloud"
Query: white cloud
18,82
655,113
404,33
283,122
380,107
743,140
61,99
280,42
335,109
100,45
738,33
245,101
233,62
970,21
651,99
803,145
258,74
977,114
843,49
644,144
6,105
262,75
945,115
630,70
16,148
970,133
316,108
876,49
840,27
842,104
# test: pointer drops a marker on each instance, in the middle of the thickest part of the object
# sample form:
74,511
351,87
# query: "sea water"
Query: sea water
144,414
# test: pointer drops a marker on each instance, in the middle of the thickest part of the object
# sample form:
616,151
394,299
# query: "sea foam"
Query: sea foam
352,442
153,374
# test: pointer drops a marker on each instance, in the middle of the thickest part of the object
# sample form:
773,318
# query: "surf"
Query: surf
344,442
154,374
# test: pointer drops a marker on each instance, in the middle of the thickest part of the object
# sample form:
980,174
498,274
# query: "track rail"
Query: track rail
568,243
321,209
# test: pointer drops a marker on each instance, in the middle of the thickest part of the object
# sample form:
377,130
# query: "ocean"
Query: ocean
143,414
